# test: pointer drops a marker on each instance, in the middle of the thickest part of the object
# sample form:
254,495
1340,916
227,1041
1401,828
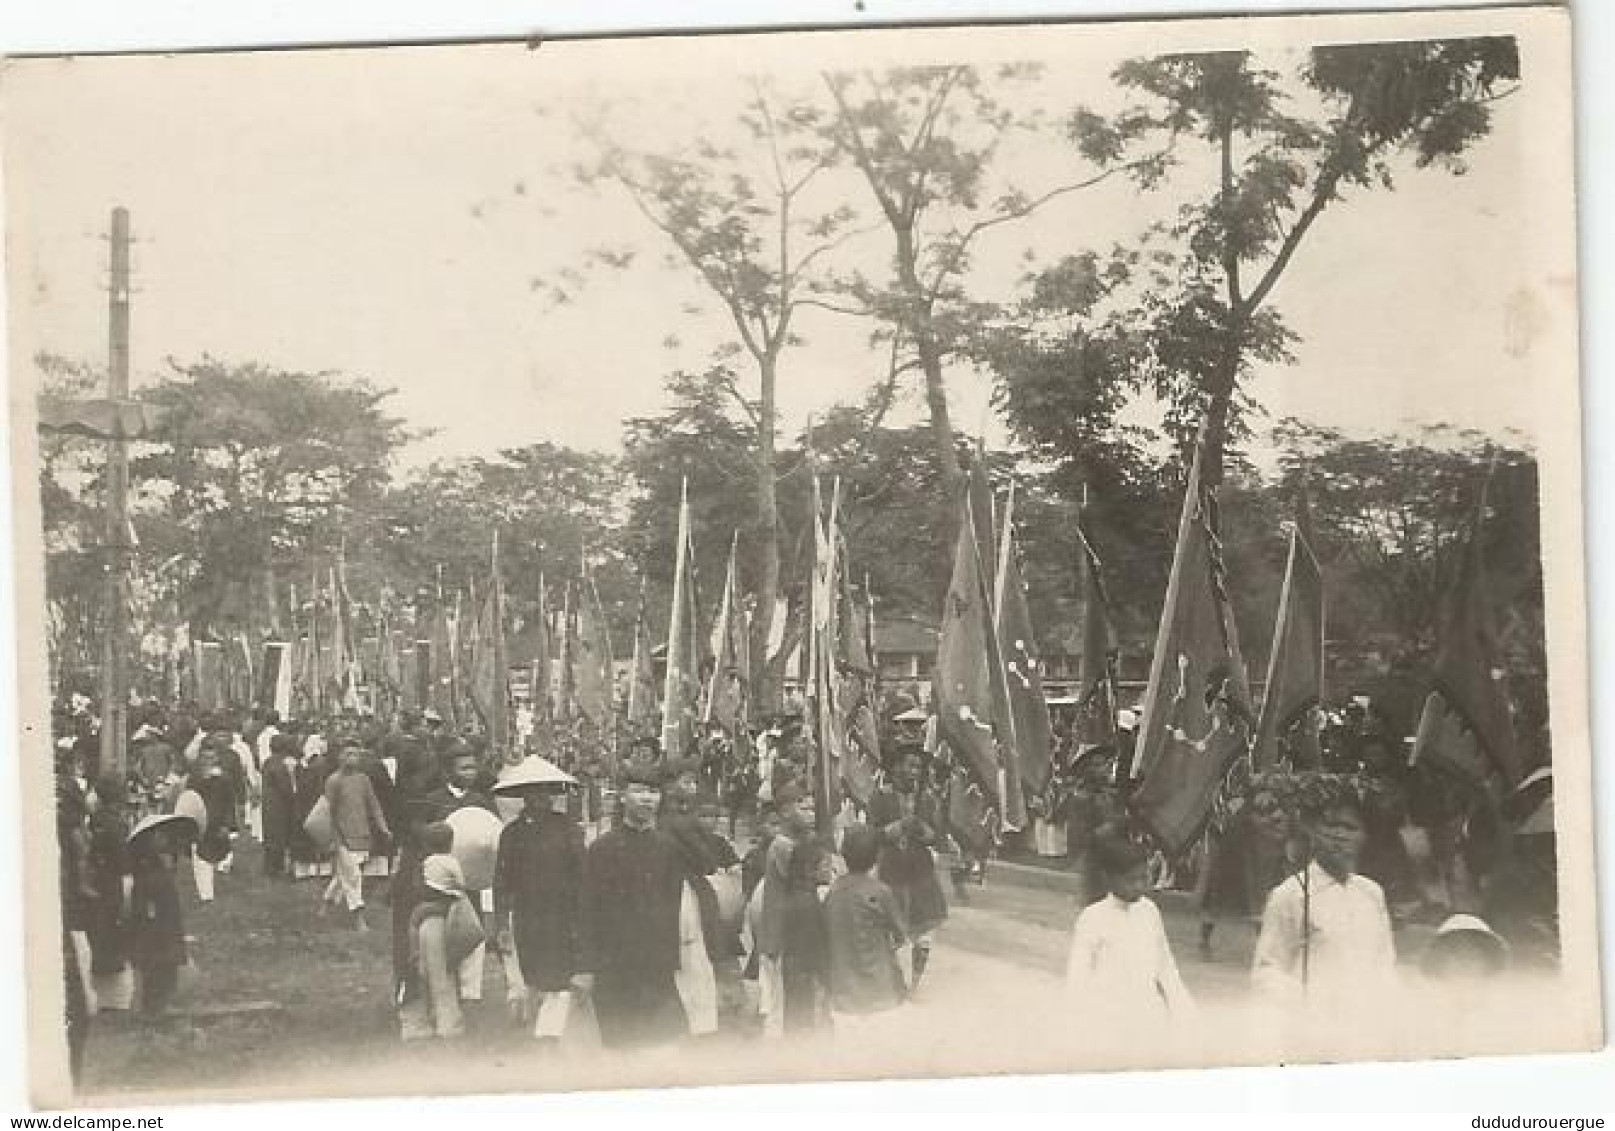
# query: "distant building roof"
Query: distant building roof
907,634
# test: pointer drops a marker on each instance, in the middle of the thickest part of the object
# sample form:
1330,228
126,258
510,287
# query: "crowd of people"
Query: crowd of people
610,891
625,893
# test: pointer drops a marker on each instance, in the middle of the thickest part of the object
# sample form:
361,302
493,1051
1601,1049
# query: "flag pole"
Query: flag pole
675,628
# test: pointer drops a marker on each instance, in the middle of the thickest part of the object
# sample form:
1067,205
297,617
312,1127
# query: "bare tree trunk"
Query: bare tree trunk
1220,404
764,681
930,357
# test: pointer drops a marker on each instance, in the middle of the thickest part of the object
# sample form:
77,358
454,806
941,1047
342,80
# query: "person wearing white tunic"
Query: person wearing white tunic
1326,936
1121,978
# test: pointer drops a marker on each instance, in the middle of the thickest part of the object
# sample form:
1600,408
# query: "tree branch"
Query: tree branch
1230,254
1321,194
950,265
860,152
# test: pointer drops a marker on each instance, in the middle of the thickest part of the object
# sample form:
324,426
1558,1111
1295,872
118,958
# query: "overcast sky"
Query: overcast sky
384,214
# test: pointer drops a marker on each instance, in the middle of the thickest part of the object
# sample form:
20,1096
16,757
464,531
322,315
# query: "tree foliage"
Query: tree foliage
1277,153
259,469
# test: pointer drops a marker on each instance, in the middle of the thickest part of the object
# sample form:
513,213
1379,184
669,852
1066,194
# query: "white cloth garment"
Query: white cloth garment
347,878
697,985
1121,967
81,970
266,738
554,1011
470,973
202,872
1326,942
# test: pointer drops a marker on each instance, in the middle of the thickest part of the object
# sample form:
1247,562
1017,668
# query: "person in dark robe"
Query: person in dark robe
76,895
906,865
633,886
805,963
212,783
157,928
770,931
280,803
106,924
538,902
308,786
426,798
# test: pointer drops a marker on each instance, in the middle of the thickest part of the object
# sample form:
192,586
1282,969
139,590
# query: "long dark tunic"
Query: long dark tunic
156,927
908,868
538,883
108,863
805,965
217,792
280,803
633,882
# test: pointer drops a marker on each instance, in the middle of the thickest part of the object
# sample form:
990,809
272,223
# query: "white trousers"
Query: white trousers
347,881
115,992
470,974
202,871
81,956
554,1011
771,995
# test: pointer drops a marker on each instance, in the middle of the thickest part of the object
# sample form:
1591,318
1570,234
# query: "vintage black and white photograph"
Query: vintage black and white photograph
770,557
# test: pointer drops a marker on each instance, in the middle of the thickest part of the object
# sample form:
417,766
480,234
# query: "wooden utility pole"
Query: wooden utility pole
114,673
114,420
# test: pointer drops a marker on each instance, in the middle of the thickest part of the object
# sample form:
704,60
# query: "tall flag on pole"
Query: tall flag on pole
490,663
543,657
819,690
566,699
1033,736
390,667
964,692
681,689
1294,685
1466,728
346,664
1011,793
275,678
1197,716
852,679
1096,678
592,682
644,712
310,689
440,659
725,699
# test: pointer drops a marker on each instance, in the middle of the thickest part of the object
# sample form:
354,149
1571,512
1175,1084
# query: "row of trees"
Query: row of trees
231,528
265,472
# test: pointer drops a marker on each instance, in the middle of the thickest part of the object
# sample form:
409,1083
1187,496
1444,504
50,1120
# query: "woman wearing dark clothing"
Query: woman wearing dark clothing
280,803
157,930
106,926
308,786
213,847
72,846
805,965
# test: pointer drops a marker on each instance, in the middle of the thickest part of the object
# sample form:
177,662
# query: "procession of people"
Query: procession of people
639,923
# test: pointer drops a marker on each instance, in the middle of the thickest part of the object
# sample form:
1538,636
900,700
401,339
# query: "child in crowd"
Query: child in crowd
1120,972
865,931
430,997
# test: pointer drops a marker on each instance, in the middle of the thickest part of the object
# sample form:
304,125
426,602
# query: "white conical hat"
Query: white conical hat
157,819
531,771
